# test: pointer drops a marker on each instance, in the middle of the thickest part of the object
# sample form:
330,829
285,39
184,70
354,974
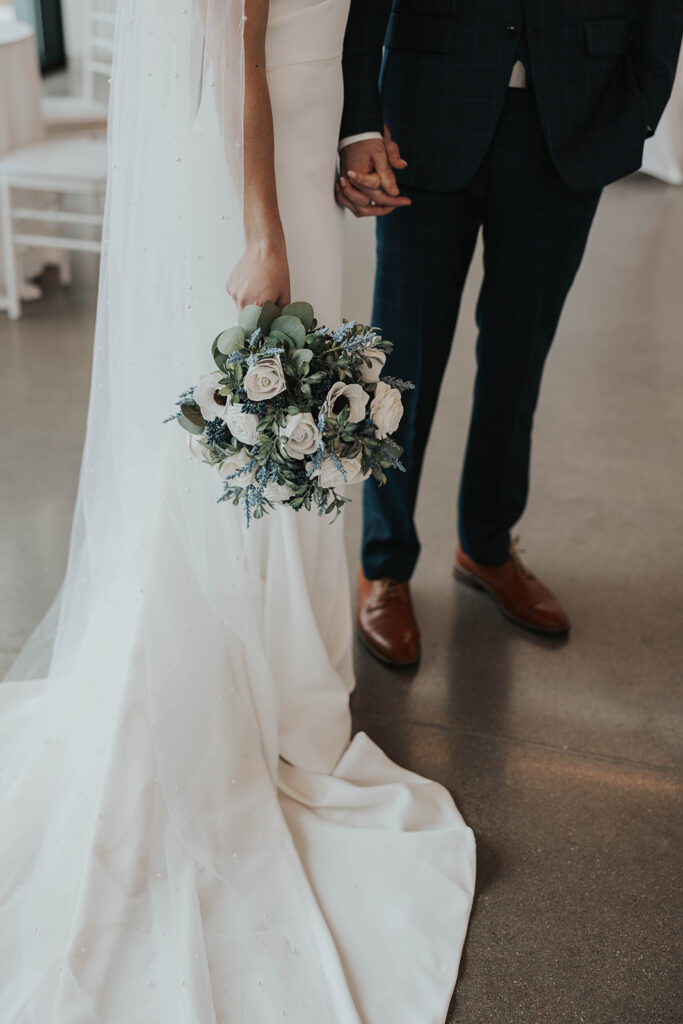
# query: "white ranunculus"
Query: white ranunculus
341,394
277,493
205,396
242,425
371,374
330,475
303,436
265,379
198,447
386,409
239,460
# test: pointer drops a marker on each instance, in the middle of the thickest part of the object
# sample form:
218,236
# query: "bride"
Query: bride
187,833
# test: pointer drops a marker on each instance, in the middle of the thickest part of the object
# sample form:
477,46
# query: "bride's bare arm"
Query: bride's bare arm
263,271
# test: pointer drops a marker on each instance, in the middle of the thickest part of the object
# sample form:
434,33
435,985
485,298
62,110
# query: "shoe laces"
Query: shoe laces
388,590
516,552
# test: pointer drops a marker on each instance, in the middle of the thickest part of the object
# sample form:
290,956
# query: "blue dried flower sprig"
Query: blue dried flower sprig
400,385
264,353
216,432
391,452
234,358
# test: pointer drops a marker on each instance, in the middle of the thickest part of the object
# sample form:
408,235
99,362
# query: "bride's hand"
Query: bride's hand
261,275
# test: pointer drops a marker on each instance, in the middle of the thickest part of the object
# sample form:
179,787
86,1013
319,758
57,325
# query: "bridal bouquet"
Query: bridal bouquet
294,411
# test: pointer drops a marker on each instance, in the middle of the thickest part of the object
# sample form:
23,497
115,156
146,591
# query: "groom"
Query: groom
512,115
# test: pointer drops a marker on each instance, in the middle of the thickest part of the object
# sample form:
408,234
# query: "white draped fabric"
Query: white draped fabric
187,834
663,157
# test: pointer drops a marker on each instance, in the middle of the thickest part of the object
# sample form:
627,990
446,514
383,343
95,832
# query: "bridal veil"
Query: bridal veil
159,860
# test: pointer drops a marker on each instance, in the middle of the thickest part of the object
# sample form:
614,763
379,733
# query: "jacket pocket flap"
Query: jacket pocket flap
420,33
607,37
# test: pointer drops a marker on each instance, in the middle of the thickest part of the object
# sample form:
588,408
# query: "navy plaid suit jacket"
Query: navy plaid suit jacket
602,73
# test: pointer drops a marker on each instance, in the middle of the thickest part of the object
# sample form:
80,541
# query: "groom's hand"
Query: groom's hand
367,183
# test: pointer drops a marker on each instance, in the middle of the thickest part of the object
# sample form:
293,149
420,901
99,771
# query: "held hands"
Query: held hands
261,275
366,186
367,183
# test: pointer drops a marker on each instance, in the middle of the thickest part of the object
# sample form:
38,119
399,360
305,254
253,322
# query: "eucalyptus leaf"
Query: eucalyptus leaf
269,311
302,357
249,318
192,412
219,358
303,311
189,425
292,327
230,340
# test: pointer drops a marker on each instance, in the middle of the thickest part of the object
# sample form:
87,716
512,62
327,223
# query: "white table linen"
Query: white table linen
21,121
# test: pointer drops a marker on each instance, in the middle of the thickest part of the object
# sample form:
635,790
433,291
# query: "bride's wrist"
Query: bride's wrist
266,240
267,248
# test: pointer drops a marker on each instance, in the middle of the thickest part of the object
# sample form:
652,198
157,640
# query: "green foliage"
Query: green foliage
230,340
190,418
268,313
302,359
292,328
276,337
249,318
303,311
226,344
218,357
312,360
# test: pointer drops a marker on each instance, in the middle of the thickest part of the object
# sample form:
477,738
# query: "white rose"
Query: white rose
371,374
239,460
277,493
265,379
386,409
302,433
242,425
198,447
205,396
341,394
330,475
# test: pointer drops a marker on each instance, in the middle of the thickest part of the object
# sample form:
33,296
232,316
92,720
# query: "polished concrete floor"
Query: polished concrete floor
564,757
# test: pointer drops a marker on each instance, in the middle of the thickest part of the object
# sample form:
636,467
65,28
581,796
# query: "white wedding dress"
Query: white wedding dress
187,836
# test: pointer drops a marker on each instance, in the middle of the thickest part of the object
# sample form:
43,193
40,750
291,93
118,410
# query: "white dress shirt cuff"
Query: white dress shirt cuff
359,138
518,78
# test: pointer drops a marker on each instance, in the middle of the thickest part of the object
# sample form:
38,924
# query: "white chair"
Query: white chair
52,171
86,111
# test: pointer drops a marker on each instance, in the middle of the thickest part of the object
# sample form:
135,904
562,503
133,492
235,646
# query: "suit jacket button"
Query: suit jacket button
510,31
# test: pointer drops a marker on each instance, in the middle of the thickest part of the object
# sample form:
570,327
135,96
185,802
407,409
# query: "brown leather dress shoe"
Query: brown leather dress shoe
519,595
386,620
